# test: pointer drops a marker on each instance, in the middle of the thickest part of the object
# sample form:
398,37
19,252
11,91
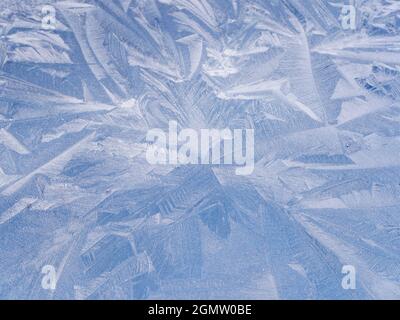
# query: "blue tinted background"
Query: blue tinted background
77,193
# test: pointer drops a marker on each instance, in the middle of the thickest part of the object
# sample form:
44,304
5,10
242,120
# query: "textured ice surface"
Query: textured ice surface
77,193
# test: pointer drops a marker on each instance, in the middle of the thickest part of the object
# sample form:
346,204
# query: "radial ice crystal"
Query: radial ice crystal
83,215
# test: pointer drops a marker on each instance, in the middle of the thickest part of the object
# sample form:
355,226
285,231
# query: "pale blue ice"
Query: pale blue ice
82,82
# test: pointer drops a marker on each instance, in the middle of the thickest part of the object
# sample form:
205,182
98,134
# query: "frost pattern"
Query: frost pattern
77,193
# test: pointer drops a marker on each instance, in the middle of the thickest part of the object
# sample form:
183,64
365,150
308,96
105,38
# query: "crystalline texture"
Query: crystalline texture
77,193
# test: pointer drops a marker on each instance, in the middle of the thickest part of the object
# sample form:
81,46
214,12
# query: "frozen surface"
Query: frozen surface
77,193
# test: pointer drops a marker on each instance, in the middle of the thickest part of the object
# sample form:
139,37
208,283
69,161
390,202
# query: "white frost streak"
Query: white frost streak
53,165
377,285
11,142
15,209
